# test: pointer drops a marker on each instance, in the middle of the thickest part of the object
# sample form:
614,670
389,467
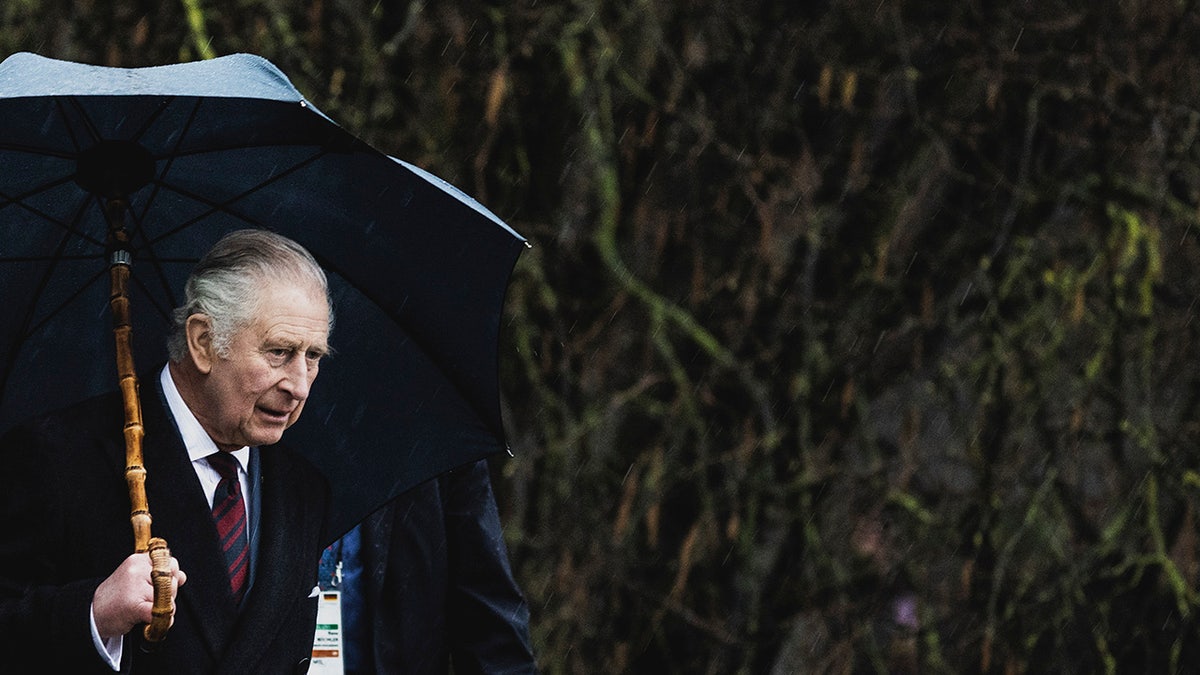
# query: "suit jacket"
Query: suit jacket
66,517
437,572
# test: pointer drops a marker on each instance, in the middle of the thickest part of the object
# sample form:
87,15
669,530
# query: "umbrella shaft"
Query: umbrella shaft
135,472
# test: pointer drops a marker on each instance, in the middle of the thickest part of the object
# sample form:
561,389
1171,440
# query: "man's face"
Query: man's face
257,390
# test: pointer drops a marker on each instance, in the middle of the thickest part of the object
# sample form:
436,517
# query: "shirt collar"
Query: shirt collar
197,441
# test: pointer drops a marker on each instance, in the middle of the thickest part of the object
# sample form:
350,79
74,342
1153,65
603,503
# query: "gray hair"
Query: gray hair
225,285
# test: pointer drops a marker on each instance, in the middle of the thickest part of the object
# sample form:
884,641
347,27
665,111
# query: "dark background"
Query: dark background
855,336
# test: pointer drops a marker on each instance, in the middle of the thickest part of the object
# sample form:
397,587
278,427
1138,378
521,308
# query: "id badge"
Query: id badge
327,641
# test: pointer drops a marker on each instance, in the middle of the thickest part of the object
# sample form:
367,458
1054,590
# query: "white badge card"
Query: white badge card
327,642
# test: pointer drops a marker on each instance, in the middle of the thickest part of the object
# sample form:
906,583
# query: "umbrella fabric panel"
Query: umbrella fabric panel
54,358
408,410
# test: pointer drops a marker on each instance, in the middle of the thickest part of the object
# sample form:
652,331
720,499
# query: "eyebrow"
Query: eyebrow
295,346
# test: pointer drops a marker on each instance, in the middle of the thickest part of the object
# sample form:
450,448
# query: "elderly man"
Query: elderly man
243,520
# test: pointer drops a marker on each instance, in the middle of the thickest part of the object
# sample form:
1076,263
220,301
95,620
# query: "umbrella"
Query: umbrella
418,270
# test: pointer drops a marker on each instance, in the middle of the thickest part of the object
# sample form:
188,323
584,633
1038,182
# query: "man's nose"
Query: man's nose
297,378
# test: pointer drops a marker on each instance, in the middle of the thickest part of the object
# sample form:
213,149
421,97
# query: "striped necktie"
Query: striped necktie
229,514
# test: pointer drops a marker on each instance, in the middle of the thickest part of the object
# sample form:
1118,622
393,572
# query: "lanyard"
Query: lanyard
329,575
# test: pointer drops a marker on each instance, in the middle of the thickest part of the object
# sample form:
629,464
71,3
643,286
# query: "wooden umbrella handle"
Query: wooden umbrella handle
160,575
135,472
156,547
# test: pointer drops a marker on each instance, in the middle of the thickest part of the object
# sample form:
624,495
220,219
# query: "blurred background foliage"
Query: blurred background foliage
855,336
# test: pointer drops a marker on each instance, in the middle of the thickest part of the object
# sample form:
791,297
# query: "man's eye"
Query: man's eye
279,355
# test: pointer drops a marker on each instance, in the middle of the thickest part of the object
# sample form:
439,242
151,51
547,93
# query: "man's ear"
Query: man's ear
199,342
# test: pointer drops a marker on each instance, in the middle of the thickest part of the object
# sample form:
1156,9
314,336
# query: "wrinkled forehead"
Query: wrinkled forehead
272,289
283,302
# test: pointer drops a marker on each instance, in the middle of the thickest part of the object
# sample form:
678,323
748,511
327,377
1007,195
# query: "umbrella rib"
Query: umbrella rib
63,305
26,329
19,201
155,264
94,134
153,116
285,143
224,206
43,258
139,229
84,120
164,312
71,230
36,151
171,156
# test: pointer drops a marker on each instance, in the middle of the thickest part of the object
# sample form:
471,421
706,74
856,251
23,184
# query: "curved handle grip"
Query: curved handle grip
160,575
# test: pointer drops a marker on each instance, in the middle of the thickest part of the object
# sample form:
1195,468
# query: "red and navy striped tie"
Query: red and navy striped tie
229,513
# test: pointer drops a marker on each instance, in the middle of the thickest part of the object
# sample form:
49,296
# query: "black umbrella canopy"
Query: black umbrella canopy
418,270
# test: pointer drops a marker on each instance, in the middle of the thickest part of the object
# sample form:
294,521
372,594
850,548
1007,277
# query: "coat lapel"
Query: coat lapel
285,568
182,516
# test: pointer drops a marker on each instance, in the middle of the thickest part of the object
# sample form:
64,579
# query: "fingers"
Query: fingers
177,579
180,578
122,600
126,597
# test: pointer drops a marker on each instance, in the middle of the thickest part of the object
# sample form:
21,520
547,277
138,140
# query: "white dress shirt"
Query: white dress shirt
199,445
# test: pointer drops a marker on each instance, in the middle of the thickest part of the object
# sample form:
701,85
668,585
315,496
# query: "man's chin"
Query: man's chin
268,429
267,434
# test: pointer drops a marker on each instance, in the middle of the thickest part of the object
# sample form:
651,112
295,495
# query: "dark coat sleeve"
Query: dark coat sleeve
488,618
50,562
443,586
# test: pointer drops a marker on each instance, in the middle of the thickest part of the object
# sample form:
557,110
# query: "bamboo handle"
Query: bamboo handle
160,575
